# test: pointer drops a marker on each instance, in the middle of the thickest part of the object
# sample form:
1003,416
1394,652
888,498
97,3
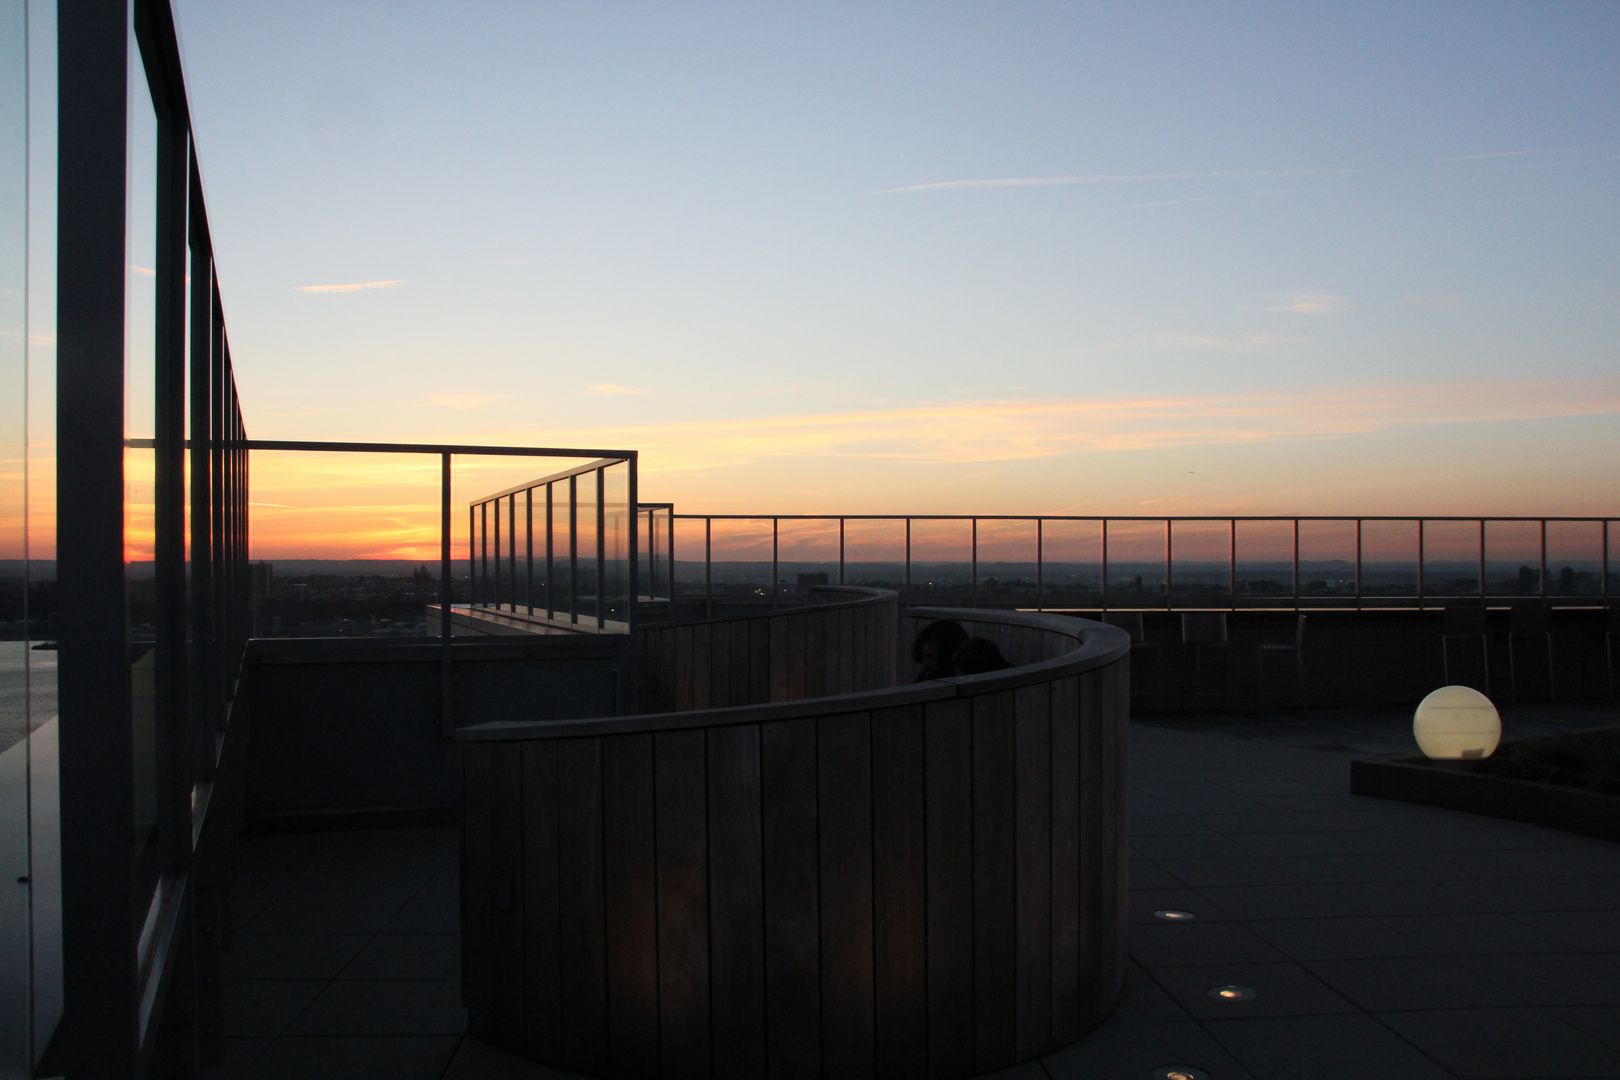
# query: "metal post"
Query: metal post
495,593
775,572
447,721
632,587
511,549
1420,564
1544,558
973,579
1482,560
472,558
1231,571
708,567
840,551
1296,564
1169,563
551,576
1104,582
1605,592
1358,564
528,548
908,554
573,549
601,549
1040,565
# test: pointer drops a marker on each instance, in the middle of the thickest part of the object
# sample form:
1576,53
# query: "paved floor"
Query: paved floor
1381,939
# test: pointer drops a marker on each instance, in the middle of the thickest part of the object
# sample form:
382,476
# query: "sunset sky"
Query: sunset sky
1032,258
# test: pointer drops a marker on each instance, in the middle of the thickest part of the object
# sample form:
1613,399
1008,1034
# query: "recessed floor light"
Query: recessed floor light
1179,1072
1172,915
1231,993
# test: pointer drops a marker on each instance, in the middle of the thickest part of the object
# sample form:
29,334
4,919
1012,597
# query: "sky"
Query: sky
951,258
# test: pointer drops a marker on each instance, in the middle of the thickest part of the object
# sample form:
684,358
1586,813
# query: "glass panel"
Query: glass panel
16,1034
140,341
1389,558
1327,558
1451,558
559,575
1265,561
585,583
690,558
875,553
1574,558
616,543
653,552
1007,563
530,575
344,545
807,550
741,563
941,562
1135,564
1071,553
1513,558
1201,572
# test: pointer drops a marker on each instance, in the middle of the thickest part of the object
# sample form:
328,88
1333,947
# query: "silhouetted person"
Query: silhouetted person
976,656
934,647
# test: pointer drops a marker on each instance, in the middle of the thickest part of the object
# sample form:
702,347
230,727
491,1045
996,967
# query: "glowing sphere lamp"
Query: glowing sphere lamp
1456,723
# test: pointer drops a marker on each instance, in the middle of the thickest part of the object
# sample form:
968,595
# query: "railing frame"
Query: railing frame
1356,598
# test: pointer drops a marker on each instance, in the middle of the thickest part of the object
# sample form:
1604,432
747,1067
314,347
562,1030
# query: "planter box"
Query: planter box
1553,805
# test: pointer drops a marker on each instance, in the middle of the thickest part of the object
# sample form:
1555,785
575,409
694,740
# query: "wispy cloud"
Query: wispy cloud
1435,299
1493,154
970,221
357,286
1207,343
458,401
1092,178
144,271
1161,202
611,388
1310,303
1010,429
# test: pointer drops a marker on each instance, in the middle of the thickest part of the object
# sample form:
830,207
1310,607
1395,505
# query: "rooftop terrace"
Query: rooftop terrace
1381,939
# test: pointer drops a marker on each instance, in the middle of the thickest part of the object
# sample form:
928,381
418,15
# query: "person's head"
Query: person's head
937,642
977,655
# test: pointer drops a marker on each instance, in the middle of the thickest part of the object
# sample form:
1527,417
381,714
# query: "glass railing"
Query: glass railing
565,550
1100,563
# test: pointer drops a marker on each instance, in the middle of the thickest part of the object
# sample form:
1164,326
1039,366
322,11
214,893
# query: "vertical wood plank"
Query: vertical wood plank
477,931
759,660
832,648
702,636
683,668
995,893
681,792
1092,849
506,920
668,670
900,892
1032,745
792,916
844,753
948,758
736,903
584,936
815,644
630,901
1065,861
740,694
719,673
846,654
796,626
1116,705
541,932
780,658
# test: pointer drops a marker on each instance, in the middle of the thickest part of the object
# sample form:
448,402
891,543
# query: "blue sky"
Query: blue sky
1003,257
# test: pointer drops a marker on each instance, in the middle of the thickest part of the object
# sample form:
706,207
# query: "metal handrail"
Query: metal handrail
1293,598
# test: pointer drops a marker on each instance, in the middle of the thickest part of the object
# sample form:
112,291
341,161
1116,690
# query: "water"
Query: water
16,661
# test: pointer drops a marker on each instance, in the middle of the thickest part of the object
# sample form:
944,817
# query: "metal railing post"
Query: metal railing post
511,550
601,548
908,555
1231,570
1169,564
973,574
1104,581
551,561
1420,564
775,563
1358,564
447,722
1040,564
1481,560
708,567
573,549
1544,558
1296,564
840,551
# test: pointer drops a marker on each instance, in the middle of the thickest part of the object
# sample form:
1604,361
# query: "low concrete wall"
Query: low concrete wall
348,732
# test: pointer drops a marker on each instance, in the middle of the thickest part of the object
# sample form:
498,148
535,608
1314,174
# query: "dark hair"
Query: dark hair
978,655
946,634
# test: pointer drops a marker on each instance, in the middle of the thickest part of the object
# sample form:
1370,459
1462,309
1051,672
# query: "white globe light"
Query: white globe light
1457,722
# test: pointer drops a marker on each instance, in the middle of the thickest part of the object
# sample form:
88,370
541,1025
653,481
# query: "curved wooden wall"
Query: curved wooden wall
842,644
925,880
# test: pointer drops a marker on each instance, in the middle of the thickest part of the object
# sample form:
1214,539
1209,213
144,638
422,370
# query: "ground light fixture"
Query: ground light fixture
1231,993
1179,1072
1172,915
1456,723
